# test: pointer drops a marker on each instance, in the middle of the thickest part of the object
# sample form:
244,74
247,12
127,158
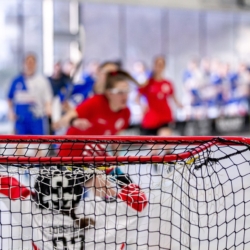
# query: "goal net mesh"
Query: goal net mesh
124,193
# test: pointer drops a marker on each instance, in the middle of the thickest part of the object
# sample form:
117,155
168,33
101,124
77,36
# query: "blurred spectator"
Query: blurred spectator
59,83
58,80
157,90
205,67
214,89
219,89
140,72
194,80
238,103
218,79
192,70
69,70
30,97
242,81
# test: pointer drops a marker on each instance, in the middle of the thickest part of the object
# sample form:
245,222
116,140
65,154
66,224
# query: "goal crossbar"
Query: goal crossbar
203,143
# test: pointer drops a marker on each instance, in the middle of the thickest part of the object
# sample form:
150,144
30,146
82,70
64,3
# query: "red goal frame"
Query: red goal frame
202,143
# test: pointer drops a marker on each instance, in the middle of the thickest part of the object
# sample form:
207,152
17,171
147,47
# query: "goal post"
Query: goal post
119,192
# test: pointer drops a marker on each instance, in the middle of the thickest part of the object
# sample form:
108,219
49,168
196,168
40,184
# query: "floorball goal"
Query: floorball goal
124,192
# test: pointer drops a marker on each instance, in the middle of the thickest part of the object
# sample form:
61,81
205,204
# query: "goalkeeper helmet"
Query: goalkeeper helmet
58,190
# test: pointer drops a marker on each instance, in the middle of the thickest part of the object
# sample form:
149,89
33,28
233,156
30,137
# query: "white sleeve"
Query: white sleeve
16,213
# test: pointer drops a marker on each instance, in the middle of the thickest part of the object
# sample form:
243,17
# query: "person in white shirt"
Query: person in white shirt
30,97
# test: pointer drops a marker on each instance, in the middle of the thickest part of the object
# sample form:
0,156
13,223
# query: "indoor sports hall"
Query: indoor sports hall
124,124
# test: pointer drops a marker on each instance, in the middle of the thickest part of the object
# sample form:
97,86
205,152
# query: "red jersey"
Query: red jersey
159,112
104,121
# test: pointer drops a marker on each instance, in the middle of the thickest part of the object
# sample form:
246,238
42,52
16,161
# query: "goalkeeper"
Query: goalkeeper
54,215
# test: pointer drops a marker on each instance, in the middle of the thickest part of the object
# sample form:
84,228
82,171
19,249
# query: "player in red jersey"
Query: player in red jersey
157,90
107,118
158,114
104,114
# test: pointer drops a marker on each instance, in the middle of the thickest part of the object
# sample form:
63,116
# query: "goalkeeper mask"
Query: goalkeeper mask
58,190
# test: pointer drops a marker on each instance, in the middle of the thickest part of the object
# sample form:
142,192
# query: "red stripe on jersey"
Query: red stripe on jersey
134,197
122,246
34,246
12,188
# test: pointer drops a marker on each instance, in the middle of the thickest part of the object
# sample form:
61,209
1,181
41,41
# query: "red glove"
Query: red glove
133,196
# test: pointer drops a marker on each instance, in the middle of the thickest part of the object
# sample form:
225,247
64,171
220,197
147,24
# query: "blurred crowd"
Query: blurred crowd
213,89
50,105
210,89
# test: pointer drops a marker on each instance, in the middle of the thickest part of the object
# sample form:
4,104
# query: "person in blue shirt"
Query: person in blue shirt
193,83
29,99
81,91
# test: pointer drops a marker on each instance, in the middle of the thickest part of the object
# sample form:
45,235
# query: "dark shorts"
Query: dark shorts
153,131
